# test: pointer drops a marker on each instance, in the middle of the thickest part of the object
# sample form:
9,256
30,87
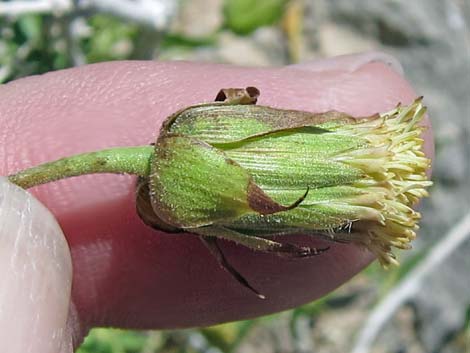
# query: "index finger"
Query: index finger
126,274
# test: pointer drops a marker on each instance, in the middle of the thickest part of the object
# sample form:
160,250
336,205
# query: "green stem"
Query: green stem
129,160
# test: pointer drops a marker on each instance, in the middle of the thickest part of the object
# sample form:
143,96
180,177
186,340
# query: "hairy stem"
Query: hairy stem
119,160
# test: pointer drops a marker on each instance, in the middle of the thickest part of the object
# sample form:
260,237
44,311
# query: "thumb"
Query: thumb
35,276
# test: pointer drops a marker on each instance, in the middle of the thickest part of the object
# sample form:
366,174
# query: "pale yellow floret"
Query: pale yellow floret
395,179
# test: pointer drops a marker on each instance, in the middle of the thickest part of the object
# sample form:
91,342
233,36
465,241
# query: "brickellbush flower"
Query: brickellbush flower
234,169
244,172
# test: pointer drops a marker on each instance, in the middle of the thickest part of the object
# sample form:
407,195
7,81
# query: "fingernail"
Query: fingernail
35,272
351,62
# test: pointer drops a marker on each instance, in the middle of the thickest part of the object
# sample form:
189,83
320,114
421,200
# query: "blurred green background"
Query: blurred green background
429,37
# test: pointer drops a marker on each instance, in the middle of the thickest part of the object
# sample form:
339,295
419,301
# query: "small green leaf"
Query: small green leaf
244,16
31,27
227,336
101,340
112,39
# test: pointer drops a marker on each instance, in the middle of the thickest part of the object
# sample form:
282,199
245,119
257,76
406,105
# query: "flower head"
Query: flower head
245,172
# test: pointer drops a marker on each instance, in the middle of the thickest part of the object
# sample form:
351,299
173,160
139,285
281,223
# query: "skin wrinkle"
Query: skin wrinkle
147,275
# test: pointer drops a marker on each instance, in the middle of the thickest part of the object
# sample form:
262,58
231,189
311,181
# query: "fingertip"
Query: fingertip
36,273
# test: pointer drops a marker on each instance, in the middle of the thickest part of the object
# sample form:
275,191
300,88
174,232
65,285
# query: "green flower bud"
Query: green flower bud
245,172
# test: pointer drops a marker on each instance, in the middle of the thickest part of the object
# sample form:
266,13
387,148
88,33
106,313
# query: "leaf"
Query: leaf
113,341
30,27
227,336
112,39
244,16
